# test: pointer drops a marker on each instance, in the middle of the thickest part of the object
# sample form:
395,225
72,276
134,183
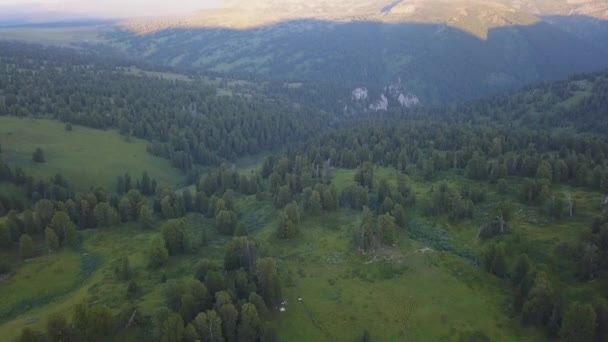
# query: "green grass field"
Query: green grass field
84,156
54,35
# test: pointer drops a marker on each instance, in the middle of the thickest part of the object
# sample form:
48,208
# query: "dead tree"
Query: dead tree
328,171
315,170
131,320
492,228
569,203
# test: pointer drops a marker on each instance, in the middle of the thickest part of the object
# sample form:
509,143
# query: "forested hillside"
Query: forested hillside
185,119
276,215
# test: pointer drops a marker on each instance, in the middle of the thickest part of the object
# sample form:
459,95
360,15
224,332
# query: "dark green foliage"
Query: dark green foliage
521,270
289,220
477,167
158,255
92,321
58,329
446,200
365,238
5,236
208,326
240,252
229,316
205,266
226,222
44,210
268,281
387,230
145,217
29,335
122,268
62,226
175,234
503,186
540,302
26,246
365,175
187,297
355,197
5,266
601,319
133,290
258,301
168,326
494,260
215,281
105,215
52,240
38,156
249,325
579,324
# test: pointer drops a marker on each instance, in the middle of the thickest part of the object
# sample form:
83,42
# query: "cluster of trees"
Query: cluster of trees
57,219
226,302
146,184
374,232
482,152
54,188
87,321
537,298
229,302
592,253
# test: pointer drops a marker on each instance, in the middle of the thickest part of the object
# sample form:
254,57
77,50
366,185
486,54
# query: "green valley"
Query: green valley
317,172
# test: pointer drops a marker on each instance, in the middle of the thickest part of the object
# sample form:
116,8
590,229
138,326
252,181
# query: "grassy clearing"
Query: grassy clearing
23,290
54,35
13,191
172,76
84,156
344,293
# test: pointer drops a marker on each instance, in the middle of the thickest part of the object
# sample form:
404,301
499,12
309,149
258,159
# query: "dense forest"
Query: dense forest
185,121
486,185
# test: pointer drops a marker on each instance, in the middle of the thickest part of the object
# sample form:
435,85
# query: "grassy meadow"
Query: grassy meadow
60,35
84,156
414,291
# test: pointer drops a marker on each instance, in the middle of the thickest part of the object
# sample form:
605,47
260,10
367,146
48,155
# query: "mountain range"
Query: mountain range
439,51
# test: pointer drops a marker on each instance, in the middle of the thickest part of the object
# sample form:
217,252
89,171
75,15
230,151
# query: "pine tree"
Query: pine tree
38,156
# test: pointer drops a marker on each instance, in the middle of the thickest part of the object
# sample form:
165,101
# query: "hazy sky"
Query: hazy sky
110,7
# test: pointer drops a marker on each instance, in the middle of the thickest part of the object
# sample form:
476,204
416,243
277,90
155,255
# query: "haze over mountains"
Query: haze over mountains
439,51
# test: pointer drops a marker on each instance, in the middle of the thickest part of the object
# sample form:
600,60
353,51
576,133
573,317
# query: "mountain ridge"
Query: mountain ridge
473,16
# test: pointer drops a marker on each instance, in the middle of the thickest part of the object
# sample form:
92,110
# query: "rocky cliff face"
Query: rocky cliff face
393,95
